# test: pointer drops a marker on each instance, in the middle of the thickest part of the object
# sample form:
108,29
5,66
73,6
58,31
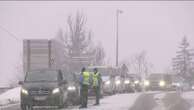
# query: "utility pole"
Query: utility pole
117,35
11,34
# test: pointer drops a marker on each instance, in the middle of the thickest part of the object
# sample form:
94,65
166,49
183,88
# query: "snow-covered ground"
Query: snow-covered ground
158,98
116,102
11,96
189,96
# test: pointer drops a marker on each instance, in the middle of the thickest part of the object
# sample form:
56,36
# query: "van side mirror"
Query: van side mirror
21,82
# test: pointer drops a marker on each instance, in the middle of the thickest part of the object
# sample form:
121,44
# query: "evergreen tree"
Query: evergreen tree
182,63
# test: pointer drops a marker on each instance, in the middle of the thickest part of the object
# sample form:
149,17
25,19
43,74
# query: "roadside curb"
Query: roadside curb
9,105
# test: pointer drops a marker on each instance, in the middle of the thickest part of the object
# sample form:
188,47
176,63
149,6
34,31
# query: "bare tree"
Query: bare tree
76,41
140,65
100,55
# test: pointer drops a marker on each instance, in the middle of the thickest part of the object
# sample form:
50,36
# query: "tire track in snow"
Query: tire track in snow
173,101
144,102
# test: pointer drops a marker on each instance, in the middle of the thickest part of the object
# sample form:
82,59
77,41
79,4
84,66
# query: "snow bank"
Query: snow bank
188,95
10,96
116,102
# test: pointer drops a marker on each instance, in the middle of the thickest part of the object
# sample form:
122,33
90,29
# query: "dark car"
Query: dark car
129,86
73,88
158,82
136,82
43,88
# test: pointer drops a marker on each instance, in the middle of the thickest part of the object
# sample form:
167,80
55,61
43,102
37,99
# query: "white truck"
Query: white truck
37,54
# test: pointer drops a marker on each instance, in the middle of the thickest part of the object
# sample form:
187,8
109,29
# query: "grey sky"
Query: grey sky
156,27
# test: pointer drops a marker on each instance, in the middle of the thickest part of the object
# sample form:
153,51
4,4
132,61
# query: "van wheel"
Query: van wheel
26,107
63,103
23,107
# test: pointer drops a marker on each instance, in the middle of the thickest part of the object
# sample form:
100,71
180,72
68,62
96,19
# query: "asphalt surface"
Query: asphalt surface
171,101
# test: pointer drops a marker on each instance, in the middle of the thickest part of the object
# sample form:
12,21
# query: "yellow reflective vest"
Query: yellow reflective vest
96,79
86,78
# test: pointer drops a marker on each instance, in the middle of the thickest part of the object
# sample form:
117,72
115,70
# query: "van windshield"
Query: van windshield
37,76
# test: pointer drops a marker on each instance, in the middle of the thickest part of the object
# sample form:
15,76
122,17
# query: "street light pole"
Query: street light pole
117,35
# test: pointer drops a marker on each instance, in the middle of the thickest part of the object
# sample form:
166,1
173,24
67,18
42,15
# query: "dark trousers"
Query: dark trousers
84,95
97,94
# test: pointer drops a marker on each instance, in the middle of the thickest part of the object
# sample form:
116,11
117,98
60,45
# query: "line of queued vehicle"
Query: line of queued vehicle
58,89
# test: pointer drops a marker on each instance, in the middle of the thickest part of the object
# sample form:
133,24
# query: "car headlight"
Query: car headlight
56,90
118,82
176,84
146,83
71,88
24,91
162,83
136,82
193,87
127,82
107,82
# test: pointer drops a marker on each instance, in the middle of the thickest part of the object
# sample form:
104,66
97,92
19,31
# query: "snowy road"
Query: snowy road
115,102
137,101
162,101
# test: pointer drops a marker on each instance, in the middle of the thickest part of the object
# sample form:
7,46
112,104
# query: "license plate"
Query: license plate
40,98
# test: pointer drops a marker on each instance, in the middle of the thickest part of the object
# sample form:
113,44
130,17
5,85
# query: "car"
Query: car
123,84
108,85
73,88
118,84
157,81
129,86
175,82
136,82
43,88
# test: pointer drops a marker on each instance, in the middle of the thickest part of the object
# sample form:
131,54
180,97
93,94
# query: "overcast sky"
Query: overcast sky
154,27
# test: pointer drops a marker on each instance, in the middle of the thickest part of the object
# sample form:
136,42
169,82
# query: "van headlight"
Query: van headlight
71,88
118,82
56,90
127,82
24,91
107,82
162,83
146,83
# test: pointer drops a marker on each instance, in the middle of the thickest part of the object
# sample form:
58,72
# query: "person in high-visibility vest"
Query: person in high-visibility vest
84,83
97,85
